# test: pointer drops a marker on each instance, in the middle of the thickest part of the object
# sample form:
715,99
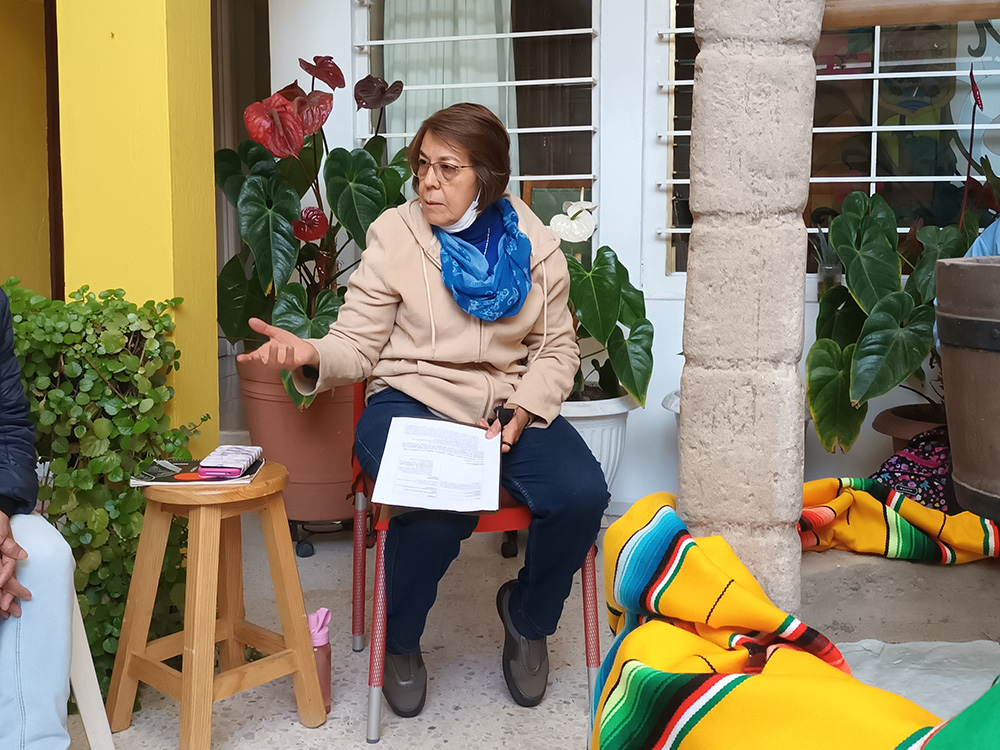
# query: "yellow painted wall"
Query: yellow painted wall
137,162
24,189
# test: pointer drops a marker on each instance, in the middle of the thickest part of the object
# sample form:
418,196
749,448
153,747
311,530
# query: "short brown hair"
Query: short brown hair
478,131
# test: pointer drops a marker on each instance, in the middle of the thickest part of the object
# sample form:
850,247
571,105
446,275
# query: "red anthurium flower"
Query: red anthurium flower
274,124
372,92
312,226
982,194
292,91
325,69
975,89
312,109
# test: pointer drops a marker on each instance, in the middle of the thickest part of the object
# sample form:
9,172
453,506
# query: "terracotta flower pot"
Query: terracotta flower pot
314,444
903,423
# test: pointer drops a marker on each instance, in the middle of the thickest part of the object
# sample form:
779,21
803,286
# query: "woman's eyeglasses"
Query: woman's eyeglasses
445,170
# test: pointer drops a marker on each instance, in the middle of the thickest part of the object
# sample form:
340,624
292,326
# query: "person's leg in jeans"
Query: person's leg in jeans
35,647
553,472
420,544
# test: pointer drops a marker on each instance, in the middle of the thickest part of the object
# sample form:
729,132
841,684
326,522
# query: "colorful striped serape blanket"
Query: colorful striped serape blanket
862,515
703,661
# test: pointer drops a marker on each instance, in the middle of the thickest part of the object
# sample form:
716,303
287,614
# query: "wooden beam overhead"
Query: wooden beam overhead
852,14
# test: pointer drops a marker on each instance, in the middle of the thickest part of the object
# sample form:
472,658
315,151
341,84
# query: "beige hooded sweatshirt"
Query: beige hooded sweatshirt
400,327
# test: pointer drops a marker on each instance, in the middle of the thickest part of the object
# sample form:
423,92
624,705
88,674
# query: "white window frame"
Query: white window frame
661,61
658,281
362,44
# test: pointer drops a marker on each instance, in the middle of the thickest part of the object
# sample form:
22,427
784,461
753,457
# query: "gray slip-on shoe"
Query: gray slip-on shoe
405,683
525,663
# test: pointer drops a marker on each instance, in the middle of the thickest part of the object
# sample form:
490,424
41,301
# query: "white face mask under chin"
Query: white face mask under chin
470,215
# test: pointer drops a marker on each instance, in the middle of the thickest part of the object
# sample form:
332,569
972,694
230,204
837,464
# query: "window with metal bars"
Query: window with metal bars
531,63
893,116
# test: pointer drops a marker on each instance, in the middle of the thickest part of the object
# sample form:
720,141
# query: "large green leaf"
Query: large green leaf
883,217
874,271
376,146
400,164
632,358
894,341
596,294
828,385
937,243
865,238
633,302
855,204
264,168
239,300
300,401
229,173
862,211
393,183
291,311
252,153
970,229
607,379
845,237
400,167
839,317
354,190
266,210
301,171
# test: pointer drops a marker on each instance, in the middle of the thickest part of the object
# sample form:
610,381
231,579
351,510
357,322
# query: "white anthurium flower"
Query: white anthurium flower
571,207
577,224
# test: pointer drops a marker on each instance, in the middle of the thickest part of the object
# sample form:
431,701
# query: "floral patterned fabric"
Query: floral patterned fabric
922,471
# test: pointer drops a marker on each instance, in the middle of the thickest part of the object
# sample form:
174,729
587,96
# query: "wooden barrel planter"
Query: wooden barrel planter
969,329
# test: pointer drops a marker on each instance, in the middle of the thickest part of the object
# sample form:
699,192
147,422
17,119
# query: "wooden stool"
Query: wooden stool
214,578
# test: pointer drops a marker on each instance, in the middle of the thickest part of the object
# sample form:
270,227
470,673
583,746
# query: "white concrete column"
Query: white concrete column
741,439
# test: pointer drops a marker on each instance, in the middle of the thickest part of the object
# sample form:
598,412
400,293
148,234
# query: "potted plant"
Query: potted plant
290,268
613,332
96,370
873,332
828,269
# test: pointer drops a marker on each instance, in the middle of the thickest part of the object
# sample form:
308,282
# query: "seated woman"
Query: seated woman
36,580
459,305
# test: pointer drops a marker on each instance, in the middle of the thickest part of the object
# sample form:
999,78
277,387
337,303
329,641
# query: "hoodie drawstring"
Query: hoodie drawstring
545,311
430,306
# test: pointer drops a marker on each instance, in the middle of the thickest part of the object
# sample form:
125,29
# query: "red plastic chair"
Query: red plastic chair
512,516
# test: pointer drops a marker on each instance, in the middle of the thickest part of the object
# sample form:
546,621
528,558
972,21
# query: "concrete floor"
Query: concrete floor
848,597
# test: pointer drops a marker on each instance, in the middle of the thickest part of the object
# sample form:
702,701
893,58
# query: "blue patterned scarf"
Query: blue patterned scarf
488,295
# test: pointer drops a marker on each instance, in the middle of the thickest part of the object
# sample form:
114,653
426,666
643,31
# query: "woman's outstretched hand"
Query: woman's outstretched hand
282,351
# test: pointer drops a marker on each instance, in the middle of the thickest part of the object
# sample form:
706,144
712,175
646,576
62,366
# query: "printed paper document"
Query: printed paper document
438,465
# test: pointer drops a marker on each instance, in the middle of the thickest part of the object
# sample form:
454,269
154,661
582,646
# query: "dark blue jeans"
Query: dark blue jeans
550,470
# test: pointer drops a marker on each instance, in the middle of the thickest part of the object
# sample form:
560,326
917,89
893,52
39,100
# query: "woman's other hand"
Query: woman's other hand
282,350
509,433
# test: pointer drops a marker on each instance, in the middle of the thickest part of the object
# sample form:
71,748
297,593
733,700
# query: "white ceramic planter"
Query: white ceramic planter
601,424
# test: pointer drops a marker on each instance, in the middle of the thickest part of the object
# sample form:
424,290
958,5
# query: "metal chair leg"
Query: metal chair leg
376,657
592,634
358,586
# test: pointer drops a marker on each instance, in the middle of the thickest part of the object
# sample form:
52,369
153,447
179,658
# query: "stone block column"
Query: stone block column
742,401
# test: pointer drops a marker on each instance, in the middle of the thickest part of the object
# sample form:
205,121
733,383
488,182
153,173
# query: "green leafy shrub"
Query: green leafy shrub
96,371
